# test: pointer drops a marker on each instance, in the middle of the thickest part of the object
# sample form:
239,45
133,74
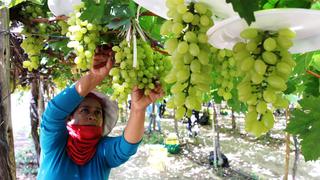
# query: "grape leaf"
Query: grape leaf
303,62
40,2
312,86
94,12
245,8
294,4
305,123
316,61
60,46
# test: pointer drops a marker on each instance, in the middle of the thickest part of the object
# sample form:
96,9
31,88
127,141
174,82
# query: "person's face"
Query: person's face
89,113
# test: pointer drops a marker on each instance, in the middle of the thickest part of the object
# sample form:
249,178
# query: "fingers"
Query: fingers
156,93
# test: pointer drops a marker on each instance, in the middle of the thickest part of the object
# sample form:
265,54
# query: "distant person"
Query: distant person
153,117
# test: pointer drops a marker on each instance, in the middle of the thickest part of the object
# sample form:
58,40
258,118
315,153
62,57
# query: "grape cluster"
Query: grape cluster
33,43
151,69
265,64
224,66
84,37
190,52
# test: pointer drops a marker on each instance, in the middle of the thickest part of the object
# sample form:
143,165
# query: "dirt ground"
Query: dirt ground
248,158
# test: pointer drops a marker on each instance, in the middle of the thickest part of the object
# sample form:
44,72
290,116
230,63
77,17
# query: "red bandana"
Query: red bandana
82,142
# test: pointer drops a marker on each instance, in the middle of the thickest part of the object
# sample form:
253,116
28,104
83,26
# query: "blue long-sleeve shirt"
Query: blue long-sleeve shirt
54,161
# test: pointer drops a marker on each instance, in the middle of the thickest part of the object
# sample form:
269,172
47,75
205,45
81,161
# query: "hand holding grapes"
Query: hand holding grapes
102,62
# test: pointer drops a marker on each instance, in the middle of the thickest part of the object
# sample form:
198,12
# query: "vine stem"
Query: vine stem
313,73
49,20
287,139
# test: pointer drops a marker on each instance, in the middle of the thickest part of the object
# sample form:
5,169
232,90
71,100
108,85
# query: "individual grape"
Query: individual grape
285,32
261,107
200,8
190,37
170,45
277,82
269,96
249,33
260,67
183,47
194,49
187,17
247,64
269,58
269,44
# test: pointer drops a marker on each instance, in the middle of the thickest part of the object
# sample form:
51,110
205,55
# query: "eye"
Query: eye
98,113
85,110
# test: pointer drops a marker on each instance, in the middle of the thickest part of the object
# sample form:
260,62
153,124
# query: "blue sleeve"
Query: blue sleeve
116,150
53,131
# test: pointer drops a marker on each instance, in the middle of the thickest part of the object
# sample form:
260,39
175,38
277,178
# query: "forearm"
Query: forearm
135,128
87,83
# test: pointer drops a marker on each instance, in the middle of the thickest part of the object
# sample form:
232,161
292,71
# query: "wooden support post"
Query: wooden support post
7,160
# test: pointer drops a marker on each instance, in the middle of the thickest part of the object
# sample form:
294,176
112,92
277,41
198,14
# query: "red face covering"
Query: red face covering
82,142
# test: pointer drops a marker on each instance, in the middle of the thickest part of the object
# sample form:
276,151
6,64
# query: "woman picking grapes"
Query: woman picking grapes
76,122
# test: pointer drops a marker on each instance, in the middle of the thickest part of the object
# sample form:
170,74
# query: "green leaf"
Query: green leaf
152,25
291,87
94,12
40,2
60,46
118,23
294,4
305,123
245,8
10,4
133,8
312,86
303,62
316,61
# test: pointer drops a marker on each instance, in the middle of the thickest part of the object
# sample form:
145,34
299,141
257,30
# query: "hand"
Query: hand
140,101
102,62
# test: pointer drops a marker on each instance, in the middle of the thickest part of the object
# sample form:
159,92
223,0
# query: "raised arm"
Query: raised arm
96,75
139,102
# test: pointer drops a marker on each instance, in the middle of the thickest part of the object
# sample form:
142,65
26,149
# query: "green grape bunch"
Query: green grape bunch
187,43
34,36
84,37
265,64
224,66
150,70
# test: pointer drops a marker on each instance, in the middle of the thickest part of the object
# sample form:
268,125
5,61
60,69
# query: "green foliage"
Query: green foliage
152,25
245,8
305,123
40,2
303,62
60,46
286,4
153,138
316,5
98,9
316,61
312,85
294,4
11,3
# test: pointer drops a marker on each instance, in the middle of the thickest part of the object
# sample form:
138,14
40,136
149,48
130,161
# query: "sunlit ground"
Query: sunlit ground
247,157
